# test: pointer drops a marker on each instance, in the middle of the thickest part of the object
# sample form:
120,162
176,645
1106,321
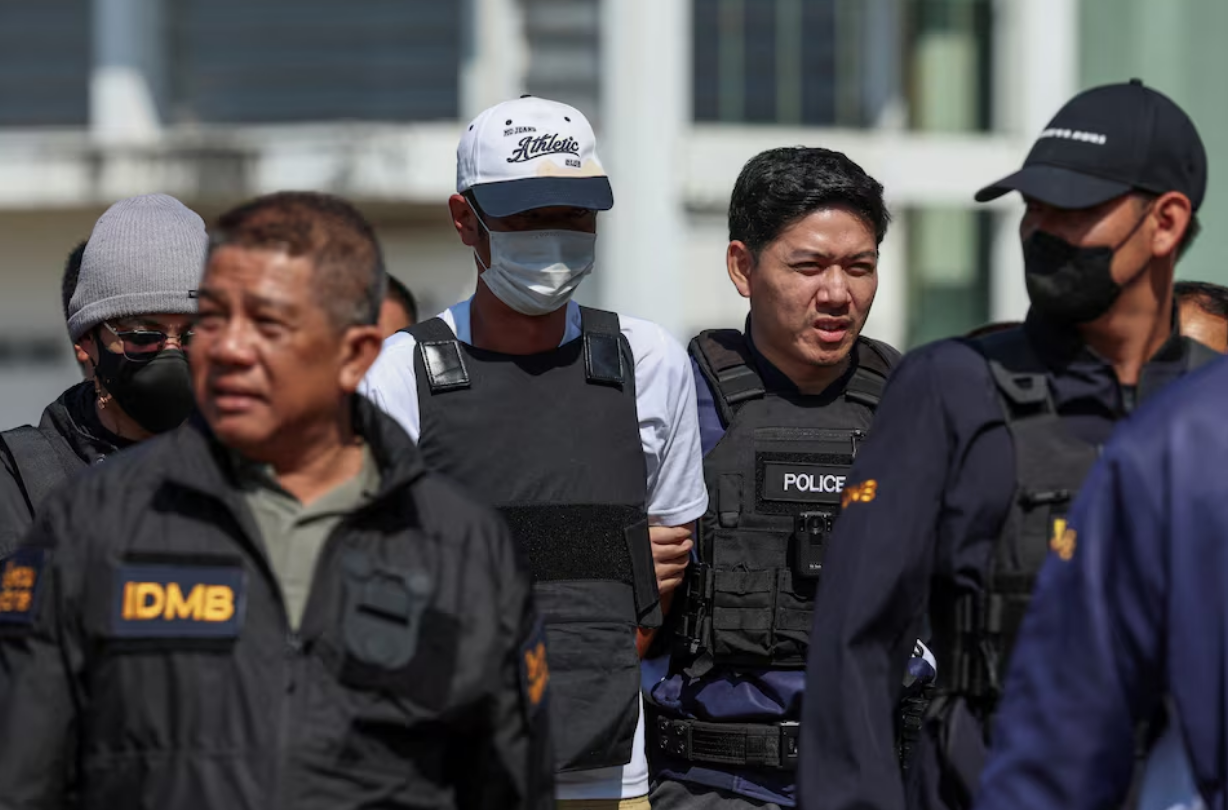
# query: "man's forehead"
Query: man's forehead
257,269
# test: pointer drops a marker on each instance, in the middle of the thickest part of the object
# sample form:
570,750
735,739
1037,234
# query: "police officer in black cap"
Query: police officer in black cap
276,605
980,445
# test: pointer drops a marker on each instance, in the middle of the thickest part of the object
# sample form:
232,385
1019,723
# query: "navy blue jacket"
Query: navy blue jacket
1131,605
942,466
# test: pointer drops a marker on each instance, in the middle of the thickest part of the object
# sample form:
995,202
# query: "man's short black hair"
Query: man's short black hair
398,291
1210,298
72,269
350,277
780,186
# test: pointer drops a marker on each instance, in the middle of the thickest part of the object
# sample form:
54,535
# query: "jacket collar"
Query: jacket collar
777,382
73,417
207,465
1087,375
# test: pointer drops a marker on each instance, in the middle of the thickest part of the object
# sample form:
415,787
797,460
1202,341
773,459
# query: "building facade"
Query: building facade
214,101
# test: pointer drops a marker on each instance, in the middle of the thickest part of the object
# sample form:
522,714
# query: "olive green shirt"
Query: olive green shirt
294,534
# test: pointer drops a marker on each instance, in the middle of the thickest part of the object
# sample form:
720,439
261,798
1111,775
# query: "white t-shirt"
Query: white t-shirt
669,435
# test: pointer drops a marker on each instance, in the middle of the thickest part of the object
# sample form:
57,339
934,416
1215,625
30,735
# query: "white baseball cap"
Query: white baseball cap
531,153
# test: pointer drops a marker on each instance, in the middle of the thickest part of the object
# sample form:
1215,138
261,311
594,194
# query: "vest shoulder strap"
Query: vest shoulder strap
441,355
1018,373
875,360
725,362
38,464
603,347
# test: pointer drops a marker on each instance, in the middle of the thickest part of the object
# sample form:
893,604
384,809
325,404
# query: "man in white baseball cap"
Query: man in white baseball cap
577,423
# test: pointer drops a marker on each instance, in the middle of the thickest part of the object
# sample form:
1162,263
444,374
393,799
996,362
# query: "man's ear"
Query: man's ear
465,220
1173,213
86,348
359,348
471,231
740,262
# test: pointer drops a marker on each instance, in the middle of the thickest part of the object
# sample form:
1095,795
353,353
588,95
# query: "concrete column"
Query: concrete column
1048,59
1037,72
646,117
495,54
888,319
126,84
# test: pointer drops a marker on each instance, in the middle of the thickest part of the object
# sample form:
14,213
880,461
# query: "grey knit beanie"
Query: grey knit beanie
144,257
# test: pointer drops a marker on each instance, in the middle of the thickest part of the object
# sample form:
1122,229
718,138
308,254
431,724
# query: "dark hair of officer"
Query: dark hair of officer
1202,309
1211,298
350,280
72,270
401,294
780,186
399,309
286,332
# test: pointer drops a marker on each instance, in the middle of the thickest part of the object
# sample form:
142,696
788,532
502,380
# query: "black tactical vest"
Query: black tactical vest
775,482
979,630
553,441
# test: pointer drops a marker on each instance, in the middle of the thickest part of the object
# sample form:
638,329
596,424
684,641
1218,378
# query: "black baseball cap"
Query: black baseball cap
1109,141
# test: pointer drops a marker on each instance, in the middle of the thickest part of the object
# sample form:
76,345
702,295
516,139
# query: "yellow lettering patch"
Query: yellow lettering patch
534,669
1064,540
859,493
20,577
173,601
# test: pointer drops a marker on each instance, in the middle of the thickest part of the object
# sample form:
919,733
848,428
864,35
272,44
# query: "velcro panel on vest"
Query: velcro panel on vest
603,356
589,542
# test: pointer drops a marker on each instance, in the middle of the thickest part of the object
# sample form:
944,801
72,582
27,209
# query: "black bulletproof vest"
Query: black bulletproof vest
1050,466
553,441
775,482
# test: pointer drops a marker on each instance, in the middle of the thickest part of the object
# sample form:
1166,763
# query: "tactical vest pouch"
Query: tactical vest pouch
595,583
750,601
389,639
594,672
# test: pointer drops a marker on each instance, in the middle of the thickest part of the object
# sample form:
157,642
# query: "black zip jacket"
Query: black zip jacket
144,647
76,439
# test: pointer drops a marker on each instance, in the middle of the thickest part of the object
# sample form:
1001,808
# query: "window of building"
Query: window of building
948,272
843,63
44,63
258,61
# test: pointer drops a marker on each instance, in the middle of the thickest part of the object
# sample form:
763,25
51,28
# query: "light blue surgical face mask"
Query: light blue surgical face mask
536,272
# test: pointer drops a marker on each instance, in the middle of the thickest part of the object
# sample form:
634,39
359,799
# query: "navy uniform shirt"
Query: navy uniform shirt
1132,604
926,500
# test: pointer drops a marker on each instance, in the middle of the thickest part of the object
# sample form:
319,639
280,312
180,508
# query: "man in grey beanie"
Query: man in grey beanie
130,315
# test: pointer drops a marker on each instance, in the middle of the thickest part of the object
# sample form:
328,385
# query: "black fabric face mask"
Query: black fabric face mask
1069,284
156,393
